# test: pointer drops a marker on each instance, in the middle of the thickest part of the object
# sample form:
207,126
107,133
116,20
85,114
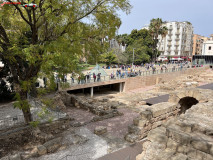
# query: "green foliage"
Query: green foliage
156,28
20,103
109,57
64,85
54,36
141,41
34,123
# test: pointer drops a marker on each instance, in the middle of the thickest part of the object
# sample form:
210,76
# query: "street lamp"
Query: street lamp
133,56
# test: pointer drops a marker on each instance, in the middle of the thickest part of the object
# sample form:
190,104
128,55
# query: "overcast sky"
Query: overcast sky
198,12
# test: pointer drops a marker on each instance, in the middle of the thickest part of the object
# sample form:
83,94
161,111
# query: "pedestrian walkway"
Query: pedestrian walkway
128,153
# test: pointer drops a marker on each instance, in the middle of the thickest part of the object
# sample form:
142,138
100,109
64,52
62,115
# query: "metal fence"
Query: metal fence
70,83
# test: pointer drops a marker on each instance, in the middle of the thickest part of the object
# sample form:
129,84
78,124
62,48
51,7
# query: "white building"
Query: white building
178,41
207,48
114,44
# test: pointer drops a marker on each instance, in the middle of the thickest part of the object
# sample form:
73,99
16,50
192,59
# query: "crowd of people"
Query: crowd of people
122,71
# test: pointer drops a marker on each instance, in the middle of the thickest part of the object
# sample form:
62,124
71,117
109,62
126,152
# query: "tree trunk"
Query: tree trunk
27,115
25,109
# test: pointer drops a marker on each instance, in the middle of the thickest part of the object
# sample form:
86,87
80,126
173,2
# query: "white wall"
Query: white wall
207,48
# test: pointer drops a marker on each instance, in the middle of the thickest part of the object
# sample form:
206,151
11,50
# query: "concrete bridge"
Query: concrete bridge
147,78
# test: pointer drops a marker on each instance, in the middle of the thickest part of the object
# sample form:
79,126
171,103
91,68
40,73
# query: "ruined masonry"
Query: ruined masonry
188,136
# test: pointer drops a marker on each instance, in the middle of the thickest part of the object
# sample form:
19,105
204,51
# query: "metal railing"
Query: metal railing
123,75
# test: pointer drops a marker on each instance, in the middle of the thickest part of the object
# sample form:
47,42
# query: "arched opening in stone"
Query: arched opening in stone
186,103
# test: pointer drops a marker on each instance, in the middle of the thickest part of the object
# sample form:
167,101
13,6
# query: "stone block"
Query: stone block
192,153
141,123
53,145
179,156
5,158
178,136
211,150
183,149
41,150
200,155
100,130
136,121
131,138
146,115
134,129
209,157
171,144
156,135
161,108
201,145
15,157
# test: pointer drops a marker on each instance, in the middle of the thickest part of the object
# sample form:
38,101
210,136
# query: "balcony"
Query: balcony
176,50
169,44
169,39
177,33
176,44
169,34
170,28
177,39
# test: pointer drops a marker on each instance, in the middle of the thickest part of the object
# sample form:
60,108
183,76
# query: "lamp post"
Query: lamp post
133,56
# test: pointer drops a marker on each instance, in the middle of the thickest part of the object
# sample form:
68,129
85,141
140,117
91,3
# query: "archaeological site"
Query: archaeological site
155,117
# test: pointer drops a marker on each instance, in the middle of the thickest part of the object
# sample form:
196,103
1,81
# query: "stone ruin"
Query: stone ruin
180,129
157,114
102,108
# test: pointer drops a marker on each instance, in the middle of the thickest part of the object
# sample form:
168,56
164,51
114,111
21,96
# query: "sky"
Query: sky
198,12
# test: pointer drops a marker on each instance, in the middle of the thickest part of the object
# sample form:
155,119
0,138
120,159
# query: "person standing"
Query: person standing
94,77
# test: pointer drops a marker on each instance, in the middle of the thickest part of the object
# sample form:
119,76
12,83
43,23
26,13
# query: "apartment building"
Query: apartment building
207,48
198,41
178,41
115,45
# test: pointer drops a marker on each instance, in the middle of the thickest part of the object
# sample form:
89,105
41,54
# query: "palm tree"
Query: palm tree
163,33
156,28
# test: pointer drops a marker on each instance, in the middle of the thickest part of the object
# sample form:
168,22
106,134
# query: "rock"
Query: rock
5,158
100,130
201,145
15,157
58,104
53,145
131,138
211,150
41,150
179,156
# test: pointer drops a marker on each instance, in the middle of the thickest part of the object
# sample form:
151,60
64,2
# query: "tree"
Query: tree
141,41
51,37
109,57
156,28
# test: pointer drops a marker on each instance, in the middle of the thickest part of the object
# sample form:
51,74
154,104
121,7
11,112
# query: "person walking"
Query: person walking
94,77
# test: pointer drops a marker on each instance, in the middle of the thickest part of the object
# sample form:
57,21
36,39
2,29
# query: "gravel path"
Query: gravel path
117,126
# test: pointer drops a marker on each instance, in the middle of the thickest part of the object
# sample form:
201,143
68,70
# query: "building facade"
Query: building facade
178,41
207,48
198,41
115,45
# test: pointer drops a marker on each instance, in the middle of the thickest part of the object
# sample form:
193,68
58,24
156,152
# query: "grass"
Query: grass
84,66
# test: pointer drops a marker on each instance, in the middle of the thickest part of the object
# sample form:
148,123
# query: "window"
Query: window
210,47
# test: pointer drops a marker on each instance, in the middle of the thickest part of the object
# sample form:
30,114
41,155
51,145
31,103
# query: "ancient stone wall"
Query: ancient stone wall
23,134
157,114
103,108
185,137
142,81
150,118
